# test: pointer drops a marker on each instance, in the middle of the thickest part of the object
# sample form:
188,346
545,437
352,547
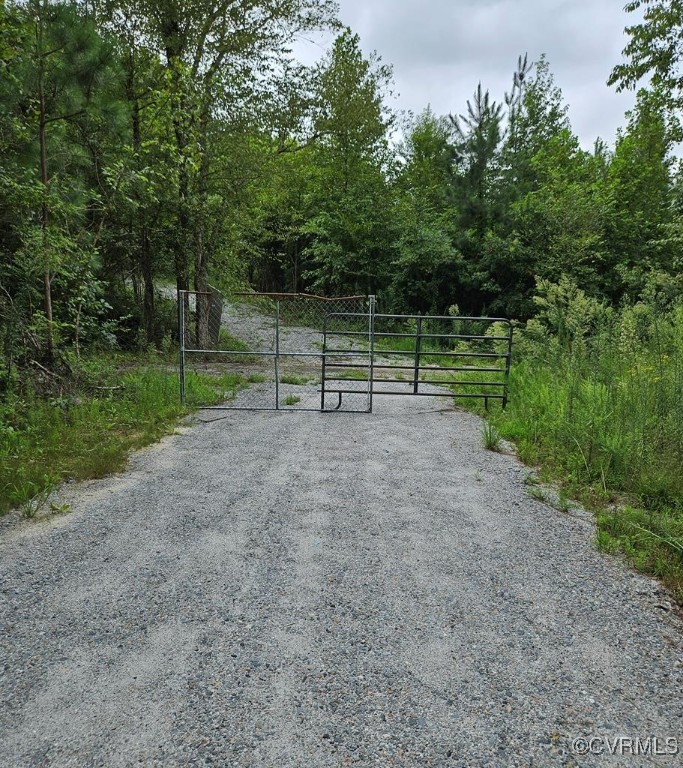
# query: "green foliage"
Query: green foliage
477,137
490,437
654,49
120,163
350,116
352,375
639,199
536,115
427,154
113,406
349,229
566,315
298,381
596,400
347,250
425,256
652,542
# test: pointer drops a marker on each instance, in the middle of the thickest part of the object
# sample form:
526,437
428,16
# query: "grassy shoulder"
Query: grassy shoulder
602,418
649,534
86,427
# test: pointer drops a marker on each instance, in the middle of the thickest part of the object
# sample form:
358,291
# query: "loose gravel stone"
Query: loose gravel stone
315,590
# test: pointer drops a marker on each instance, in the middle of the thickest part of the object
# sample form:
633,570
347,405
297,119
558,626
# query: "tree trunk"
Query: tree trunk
201,255
201,285
148,302
182,267
146,264
45,181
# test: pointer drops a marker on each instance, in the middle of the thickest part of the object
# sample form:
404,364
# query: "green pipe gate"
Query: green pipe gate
300,352
427,356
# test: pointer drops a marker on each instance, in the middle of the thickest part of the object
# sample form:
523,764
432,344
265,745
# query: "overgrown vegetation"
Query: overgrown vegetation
596,402
84,427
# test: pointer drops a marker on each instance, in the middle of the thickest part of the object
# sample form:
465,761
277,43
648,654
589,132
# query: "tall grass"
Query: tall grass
116,406
597,402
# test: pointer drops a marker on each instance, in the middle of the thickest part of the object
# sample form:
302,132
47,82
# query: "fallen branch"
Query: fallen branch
664,539
46,370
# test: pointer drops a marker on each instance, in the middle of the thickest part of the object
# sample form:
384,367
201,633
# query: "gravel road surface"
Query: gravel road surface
320,590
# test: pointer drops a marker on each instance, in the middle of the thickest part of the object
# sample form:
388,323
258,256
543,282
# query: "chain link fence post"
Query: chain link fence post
277,355
181,337
372,307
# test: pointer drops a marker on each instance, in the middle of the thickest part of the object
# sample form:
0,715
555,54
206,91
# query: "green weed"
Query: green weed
229,343
490,437
60,509
353,375
563,502
114,405
32,495
298,381
291,400
537,493
652,542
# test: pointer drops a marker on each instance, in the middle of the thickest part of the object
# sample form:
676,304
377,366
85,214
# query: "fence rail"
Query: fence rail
301,352
428,350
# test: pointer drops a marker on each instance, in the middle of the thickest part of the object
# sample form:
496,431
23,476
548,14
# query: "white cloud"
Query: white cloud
441,49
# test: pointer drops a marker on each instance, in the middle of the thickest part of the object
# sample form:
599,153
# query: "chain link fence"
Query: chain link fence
266,350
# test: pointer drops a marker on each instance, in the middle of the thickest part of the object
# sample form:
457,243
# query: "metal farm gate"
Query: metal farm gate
426,355
266,349
300,352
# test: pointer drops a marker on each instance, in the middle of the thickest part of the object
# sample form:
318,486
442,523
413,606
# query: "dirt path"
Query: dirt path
256,329
317,590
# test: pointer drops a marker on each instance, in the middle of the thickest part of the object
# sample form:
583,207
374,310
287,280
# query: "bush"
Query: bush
596,399
126,312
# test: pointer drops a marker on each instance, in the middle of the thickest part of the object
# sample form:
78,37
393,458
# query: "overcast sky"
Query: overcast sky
441,49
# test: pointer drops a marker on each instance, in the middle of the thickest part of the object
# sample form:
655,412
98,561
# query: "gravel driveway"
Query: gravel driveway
321,590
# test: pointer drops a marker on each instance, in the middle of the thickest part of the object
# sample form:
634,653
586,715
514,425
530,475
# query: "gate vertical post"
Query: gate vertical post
508,362
418,344
181,333
277,355
324,360
371,385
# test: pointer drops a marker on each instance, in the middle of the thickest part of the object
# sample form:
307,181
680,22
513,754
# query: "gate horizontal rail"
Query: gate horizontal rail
432,352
